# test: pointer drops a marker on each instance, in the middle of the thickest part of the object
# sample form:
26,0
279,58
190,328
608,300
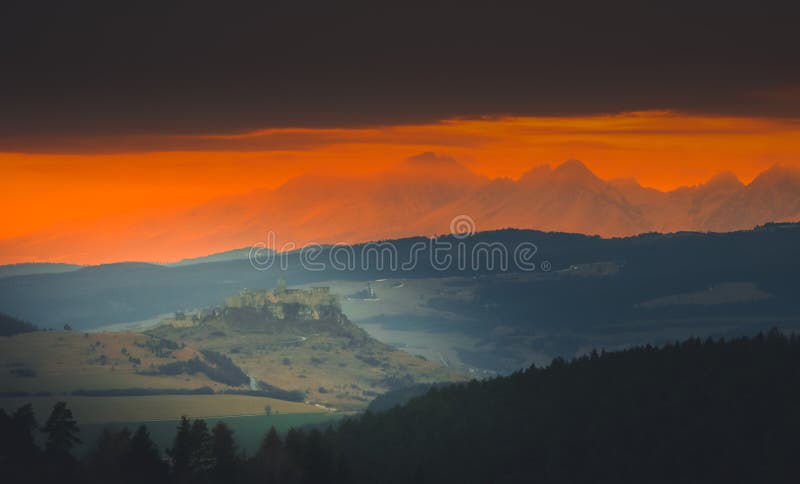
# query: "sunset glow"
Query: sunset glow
68,185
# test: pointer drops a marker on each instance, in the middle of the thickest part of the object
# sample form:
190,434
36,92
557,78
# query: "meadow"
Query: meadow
100,410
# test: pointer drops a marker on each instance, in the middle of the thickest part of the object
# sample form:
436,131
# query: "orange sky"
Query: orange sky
130,177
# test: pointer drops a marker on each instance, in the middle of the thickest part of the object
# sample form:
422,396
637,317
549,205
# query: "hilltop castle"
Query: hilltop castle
289,304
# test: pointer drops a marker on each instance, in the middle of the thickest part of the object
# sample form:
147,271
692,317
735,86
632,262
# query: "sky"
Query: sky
140,108
663,150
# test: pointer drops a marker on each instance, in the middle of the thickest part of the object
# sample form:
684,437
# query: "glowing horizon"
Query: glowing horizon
67,184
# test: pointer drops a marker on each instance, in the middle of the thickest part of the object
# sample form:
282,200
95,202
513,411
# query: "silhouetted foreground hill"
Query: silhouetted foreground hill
698,411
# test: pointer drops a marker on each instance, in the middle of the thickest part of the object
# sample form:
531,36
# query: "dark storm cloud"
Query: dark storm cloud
208,67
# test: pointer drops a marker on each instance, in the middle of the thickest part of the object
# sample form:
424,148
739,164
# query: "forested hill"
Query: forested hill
650,266
699,411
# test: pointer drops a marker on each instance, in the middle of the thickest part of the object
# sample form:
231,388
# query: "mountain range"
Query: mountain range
420,196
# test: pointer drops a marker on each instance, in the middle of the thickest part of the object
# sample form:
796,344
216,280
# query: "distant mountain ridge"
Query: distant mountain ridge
35,268
422,200
570,198
421,196
126,292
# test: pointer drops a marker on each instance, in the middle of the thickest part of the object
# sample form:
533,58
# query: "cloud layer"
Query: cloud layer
193,67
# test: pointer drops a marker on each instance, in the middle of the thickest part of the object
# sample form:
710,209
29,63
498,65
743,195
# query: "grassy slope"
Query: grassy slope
344,368
64,361
336,364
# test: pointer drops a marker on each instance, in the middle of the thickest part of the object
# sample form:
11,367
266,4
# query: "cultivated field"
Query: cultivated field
91,410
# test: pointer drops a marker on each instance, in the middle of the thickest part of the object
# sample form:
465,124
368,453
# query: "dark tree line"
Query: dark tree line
699,411
198,454
21,460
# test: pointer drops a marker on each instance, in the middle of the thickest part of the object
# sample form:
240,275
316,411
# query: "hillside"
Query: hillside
698,411
58,362
287,344
599,293
127,377
119,293
300,341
